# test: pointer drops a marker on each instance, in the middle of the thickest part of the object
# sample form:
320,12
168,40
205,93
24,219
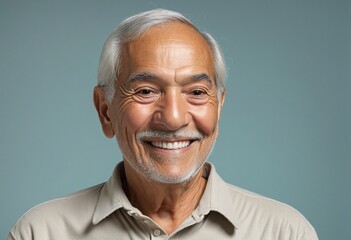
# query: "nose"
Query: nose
172,113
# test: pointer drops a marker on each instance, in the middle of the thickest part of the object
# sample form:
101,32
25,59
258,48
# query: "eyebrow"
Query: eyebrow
141,76
201,76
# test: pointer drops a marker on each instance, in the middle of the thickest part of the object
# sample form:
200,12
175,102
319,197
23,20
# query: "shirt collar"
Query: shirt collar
216,196
112,196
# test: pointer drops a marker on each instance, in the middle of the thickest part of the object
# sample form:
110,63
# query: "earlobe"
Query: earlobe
102,107
223,97
221,102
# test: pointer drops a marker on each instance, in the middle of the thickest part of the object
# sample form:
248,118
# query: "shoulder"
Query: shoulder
255,210
70,209
267,205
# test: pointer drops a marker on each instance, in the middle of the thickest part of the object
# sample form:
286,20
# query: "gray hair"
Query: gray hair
132,28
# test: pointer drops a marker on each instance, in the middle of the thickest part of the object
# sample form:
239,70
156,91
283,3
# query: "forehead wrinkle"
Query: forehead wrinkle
148,76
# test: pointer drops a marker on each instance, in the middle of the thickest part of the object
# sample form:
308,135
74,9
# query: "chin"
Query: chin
173,177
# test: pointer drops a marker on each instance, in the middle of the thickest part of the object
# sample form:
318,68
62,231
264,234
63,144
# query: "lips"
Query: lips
170,145
167,141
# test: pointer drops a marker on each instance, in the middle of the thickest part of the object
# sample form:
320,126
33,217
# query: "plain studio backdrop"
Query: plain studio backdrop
285,126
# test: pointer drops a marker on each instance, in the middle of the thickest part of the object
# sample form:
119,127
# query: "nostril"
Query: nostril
172,112
170,120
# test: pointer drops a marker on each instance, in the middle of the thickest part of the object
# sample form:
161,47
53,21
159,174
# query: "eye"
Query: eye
198,92
146,95
144,92
198,96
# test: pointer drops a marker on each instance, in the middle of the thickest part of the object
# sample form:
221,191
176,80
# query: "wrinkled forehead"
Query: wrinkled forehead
169,46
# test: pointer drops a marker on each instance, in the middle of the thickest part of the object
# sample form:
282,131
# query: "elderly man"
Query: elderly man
161,92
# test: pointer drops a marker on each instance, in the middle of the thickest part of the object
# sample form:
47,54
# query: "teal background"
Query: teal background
285,129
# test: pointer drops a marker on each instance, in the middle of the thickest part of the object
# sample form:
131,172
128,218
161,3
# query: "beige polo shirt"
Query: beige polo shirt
104,212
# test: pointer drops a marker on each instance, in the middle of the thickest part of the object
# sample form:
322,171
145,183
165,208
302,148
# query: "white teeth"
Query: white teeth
171,145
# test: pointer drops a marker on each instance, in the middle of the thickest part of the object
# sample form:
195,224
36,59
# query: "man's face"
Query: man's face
165,111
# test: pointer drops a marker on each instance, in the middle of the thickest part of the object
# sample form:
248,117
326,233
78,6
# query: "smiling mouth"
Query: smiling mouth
170,145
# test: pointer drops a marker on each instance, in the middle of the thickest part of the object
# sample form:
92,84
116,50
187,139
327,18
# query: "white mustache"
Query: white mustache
169,135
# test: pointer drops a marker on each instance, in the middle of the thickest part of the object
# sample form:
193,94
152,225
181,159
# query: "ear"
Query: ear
102,107
221,102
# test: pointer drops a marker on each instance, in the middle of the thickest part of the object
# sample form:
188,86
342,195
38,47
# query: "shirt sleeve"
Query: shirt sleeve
311,235
11,237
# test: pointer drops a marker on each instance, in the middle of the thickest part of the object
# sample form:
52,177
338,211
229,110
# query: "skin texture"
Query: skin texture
166,84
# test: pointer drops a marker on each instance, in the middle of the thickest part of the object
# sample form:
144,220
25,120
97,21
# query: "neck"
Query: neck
167,204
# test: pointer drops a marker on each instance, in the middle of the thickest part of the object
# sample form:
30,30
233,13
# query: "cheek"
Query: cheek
132,118
135,116
205,118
